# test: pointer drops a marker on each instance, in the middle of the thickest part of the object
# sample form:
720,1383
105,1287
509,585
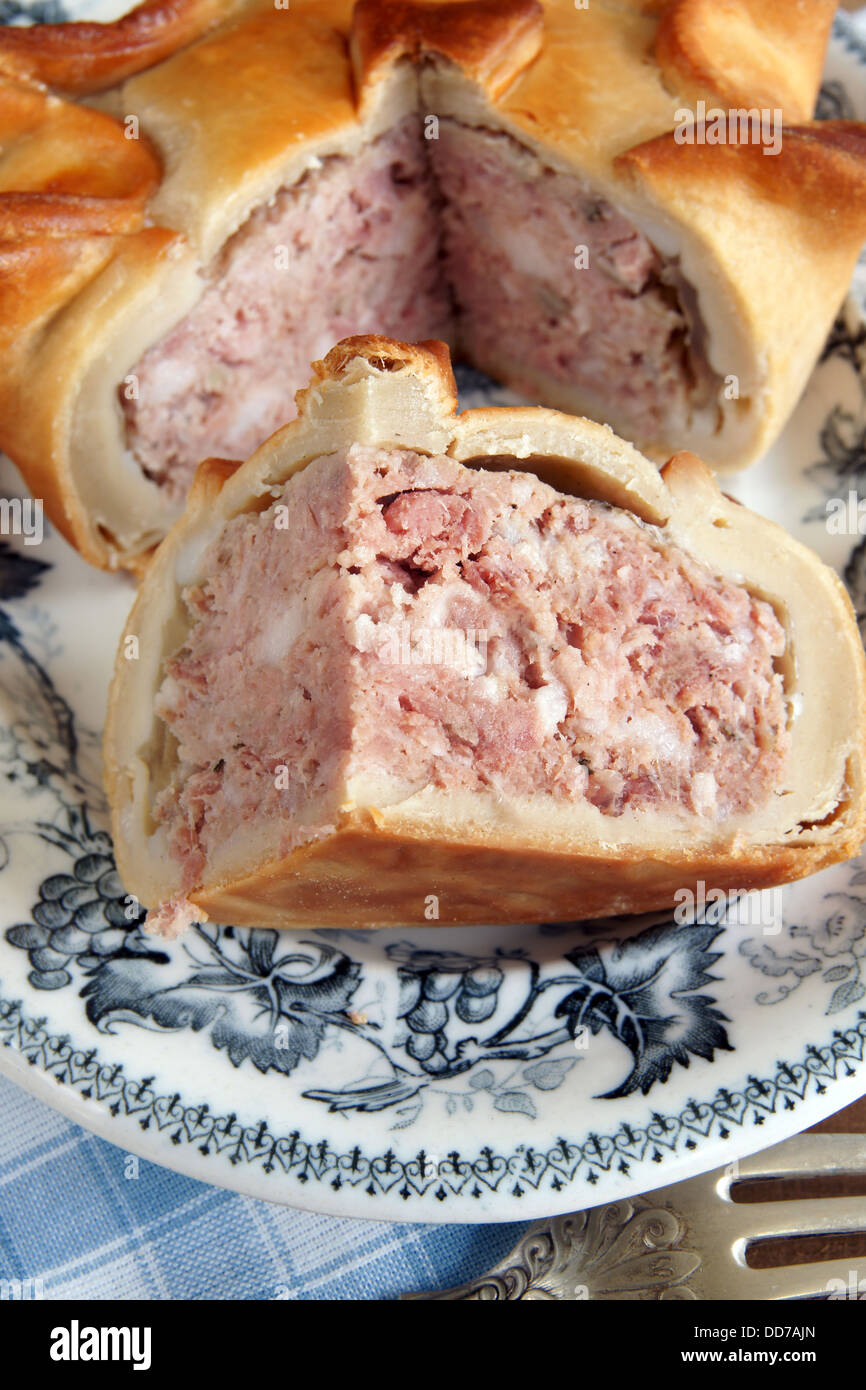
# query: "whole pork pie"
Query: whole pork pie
406,665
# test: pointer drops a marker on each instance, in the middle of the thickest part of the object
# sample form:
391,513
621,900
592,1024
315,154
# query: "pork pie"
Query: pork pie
405,665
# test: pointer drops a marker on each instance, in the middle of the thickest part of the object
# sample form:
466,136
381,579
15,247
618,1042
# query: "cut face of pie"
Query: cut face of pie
495,658
352,245
524,181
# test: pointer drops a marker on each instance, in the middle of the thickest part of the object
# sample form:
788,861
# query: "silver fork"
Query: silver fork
689,1241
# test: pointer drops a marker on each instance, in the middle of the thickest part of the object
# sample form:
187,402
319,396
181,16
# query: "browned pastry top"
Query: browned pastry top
82,57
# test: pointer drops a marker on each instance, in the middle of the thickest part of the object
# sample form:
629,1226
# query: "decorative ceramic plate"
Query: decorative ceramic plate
482,1074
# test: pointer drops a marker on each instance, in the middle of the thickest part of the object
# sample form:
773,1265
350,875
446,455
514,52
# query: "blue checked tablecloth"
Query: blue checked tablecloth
71,1218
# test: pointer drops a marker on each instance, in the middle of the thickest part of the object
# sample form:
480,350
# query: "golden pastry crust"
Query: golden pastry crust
490,40
485,858
734,199
242,111
747,52
84,57
73,199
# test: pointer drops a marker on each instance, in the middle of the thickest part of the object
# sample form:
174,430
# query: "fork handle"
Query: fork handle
634,1249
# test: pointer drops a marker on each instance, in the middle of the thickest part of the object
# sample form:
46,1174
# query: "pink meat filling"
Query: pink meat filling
544,273
396,241
403,617
352,248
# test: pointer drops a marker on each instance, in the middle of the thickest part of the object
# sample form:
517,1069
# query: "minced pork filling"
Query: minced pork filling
352,248
468,238
403,617
551,279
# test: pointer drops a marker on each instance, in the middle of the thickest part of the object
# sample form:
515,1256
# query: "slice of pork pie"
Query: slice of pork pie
406,665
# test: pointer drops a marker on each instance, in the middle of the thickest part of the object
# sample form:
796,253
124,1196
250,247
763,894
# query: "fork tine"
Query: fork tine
802,1216
837,1277
815,1154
